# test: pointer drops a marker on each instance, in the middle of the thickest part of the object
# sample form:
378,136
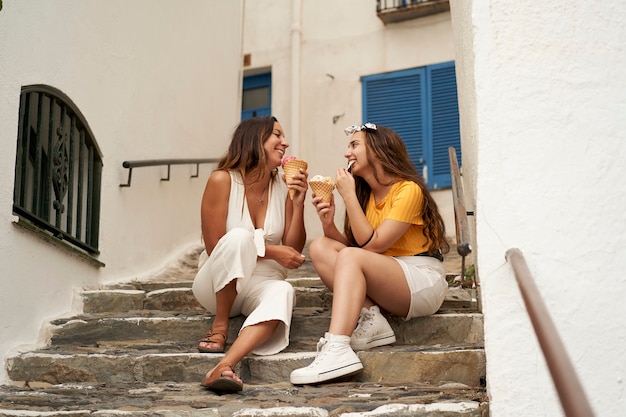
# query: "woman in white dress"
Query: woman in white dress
253,232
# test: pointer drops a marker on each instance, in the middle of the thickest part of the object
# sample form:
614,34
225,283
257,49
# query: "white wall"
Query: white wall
346,40
544,153
153,81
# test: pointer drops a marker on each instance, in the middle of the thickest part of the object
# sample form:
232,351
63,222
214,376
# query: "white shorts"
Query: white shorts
427,282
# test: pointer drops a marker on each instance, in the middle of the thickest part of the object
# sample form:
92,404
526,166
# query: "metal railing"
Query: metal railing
394,11
162,162
382,5
463,245
568,387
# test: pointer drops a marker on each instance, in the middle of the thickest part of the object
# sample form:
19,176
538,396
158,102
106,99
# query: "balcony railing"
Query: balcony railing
392,11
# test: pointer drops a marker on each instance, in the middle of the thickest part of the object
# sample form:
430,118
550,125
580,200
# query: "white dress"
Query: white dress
262,292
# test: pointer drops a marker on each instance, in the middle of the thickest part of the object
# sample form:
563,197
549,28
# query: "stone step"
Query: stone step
157,283
388,365
443,328
163,296
133,352
343,399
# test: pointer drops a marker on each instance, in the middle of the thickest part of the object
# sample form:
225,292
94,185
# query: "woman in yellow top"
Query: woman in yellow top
388,257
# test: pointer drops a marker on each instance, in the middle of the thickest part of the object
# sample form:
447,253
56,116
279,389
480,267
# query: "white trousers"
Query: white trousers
262,292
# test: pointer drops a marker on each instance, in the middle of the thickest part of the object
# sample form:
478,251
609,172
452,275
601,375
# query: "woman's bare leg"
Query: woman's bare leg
249,338
324,253
354,275
224,300
359,275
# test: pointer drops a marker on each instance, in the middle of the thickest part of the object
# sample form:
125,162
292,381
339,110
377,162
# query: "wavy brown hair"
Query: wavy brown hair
245,152
386,146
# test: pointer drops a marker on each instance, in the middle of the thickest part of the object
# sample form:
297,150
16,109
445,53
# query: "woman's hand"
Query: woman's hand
344,181
300,184
325,211
285,255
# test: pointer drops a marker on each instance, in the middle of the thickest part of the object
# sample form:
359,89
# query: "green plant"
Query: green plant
469,276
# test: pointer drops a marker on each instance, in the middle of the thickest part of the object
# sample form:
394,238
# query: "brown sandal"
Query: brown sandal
213,336
222,384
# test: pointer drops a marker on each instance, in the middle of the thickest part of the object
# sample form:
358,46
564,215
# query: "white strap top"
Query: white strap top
239,214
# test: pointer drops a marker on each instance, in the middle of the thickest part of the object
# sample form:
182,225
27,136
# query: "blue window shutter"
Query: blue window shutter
258,112
421,105
397,100
444,116
260,81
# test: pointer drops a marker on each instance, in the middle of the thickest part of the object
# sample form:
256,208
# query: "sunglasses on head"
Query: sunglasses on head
356,128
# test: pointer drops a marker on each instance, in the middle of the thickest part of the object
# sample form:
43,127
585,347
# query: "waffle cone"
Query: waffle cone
322,189
293,168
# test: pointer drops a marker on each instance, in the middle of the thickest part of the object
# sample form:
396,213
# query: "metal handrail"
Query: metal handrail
169,162
571,394
461,222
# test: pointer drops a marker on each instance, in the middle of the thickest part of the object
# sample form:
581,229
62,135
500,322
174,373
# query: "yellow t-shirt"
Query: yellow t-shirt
403,203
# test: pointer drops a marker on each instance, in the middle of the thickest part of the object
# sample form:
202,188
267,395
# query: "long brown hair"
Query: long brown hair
245,152
386,146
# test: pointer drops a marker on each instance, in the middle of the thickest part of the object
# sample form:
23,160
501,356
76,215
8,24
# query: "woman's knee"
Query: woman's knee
286,289
321,247
237,239
283,296
280,290
349,255
316,247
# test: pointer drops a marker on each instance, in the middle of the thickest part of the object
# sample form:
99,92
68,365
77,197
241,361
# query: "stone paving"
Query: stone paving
279,399
130,353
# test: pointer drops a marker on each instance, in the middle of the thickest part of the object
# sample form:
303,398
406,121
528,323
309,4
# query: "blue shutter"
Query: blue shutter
396,100
421,105
258,81
444,116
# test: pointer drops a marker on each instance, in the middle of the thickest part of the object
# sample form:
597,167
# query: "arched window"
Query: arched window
58,168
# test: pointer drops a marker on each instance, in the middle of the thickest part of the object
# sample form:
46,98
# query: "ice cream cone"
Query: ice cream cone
292,167
322,189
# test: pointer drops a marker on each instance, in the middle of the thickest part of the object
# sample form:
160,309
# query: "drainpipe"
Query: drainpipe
296,35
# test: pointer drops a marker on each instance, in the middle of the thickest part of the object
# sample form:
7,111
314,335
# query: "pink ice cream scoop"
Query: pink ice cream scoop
287,159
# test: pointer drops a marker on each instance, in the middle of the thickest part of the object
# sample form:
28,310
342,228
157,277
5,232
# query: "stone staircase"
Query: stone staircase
132,352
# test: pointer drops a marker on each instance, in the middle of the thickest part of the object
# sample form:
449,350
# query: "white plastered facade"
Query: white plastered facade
319,50
542,100
152,83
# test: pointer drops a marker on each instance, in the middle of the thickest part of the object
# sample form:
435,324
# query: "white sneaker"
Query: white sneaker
372,330
334,359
